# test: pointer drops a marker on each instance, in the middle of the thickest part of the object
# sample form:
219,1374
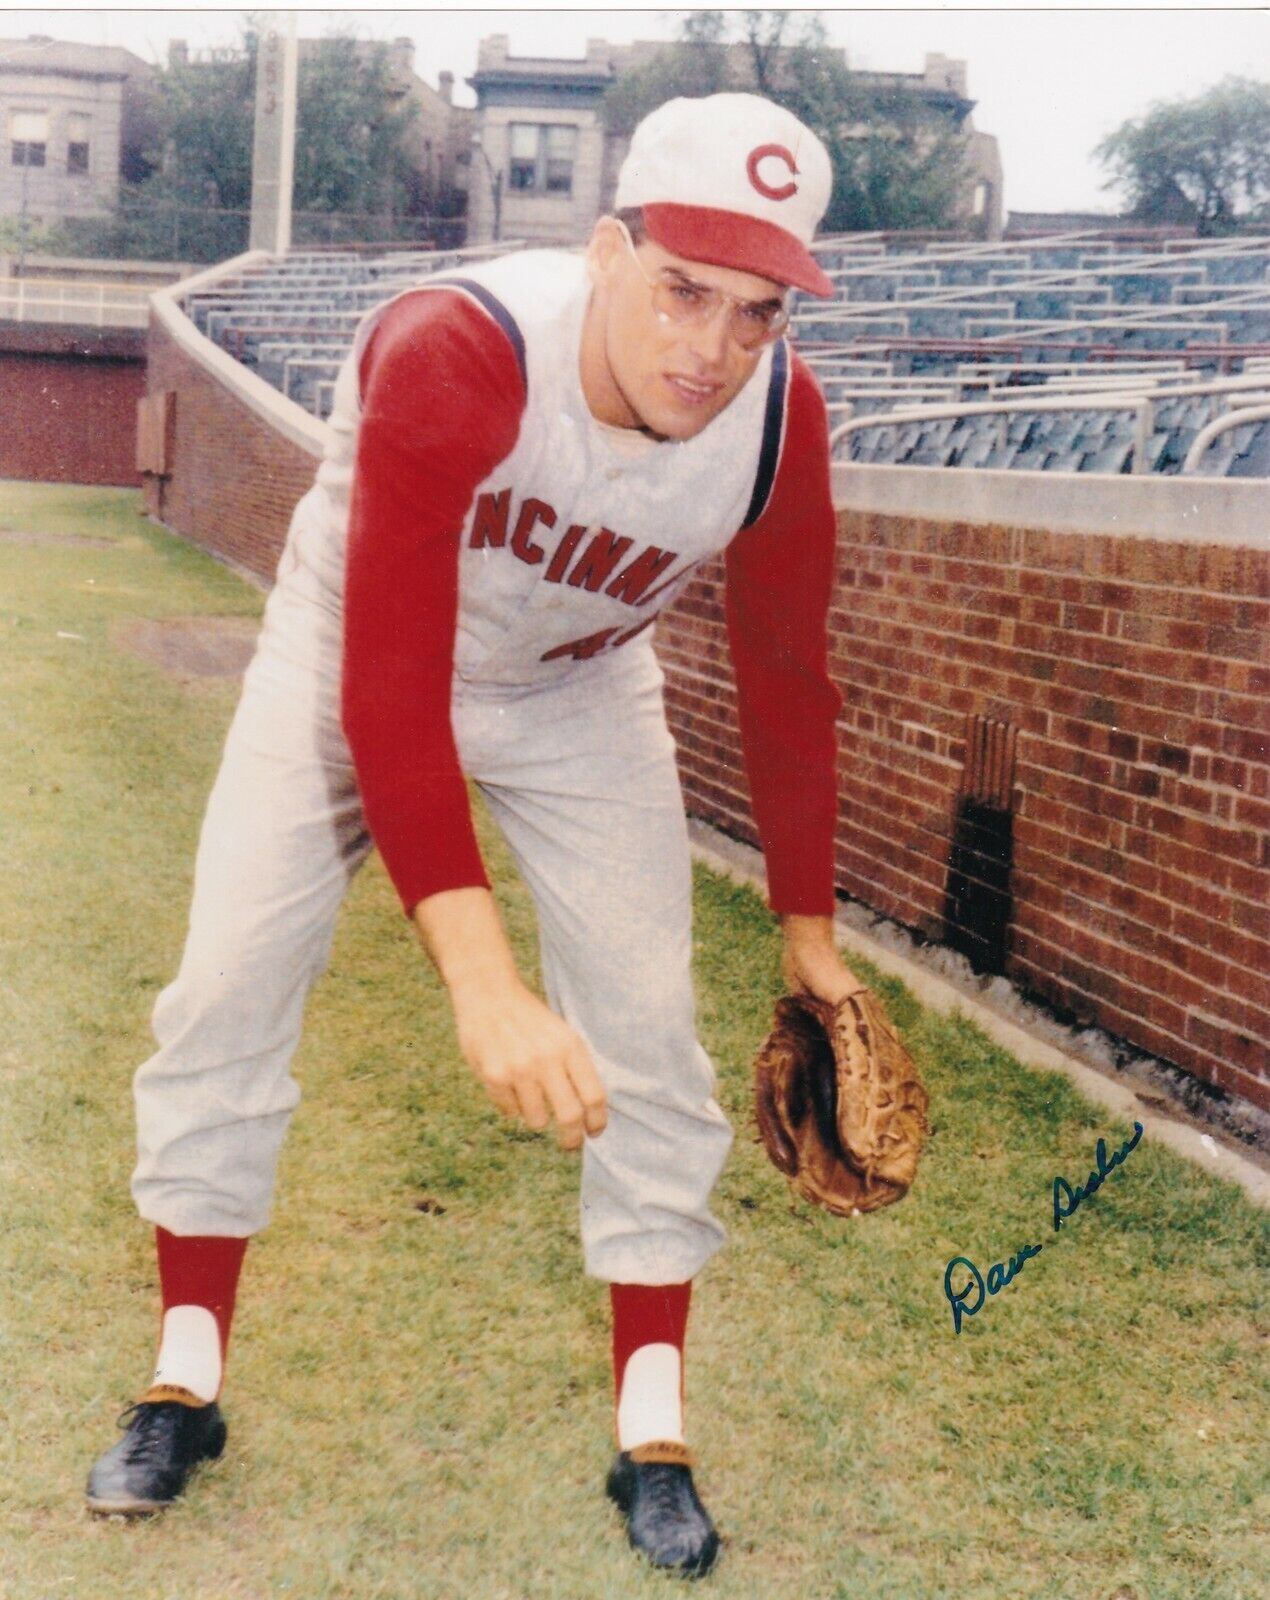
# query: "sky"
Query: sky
1049,82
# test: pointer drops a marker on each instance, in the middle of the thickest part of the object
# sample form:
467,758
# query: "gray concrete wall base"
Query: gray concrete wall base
1217,1155
1190,510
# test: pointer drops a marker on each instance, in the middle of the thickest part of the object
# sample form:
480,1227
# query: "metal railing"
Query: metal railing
1141,405
982,321
96,305
1236,418
1150,263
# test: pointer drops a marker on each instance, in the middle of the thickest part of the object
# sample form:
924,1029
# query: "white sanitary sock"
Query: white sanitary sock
189,1351
650,1407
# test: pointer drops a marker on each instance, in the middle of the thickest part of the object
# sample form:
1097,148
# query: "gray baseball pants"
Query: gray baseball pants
580,775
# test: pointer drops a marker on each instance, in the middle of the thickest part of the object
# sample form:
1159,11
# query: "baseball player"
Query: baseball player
527,462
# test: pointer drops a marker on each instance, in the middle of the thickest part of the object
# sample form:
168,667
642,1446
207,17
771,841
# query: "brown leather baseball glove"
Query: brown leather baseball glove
839,1104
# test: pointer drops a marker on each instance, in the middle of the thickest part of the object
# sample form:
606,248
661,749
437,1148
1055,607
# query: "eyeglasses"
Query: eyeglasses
676,298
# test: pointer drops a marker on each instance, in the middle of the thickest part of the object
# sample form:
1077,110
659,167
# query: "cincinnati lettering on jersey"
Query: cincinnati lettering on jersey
589,559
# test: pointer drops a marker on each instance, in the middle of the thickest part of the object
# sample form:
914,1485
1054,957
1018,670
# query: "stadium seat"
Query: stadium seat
292,320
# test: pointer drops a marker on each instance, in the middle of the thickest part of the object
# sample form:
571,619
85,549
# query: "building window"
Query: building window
524,155
561,143
28,138
541,157
78,129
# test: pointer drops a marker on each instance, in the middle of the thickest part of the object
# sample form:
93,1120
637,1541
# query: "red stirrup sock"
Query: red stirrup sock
198,1281
648,1342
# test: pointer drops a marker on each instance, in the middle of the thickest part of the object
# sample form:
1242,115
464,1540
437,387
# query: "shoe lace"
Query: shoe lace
149,1425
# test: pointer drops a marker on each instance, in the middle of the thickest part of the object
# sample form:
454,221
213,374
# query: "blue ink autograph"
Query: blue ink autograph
1066,1200
1067,1208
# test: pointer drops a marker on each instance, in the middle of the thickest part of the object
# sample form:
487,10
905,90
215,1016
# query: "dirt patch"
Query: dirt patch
191,647
83,540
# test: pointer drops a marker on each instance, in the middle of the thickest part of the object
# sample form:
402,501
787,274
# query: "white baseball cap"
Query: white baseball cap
733,180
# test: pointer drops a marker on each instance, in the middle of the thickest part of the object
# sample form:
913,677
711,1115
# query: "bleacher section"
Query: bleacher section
1084,352
292,320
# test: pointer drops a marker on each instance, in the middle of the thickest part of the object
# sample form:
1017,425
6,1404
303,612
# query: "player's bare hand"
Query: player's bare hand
810,963
533,1064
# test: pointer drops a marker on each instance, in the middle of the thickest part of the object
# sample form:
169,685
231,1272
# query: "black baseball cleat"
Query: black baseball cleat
166,1434
652,1485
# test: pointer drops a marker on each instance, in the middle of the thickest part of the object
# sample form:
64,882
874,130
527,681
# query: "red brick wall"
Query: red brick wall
1137,672
68,413
234,481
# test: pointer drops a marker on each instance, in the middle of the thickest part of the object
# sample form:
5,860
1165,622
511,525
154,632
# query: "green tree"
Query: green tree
898,167
896,163
204,133
696,64
352,151
1205,159
351,134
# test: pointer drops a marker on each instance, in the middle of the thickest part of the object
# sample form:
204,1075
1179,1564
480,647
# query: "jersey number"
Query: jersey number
594,643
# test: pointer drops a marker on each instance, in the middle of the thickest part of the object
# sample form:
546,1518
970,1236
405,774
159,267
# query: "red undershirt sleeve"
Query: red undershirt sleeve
442,399
779,578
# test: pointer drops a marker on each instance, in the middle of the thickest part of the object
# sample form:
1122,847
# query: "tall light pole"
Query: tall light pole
273,148
495,184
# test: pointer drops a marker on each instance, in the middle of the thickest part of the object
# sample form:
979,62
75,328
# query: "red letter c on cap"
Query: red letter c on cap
779,153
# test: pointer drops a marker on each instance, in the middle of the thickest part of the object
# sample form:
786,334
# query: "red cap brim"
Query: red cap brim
730,239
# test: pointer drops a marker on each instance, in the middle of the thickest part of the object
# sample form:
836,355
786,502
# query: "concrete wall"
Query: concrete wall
69,404
233,478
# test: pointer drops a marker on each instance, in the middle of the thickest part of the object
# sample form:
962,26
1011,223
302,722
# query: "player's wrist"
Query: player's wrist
482,983
464,938
801,931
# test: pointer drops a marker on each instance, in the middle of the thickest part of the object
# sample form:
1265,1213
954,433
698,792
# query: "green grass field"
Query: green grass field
419,1387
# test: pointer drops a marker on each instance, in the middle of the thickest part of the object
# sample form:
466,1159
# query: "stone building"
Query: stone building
545,167
73,119
539,167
